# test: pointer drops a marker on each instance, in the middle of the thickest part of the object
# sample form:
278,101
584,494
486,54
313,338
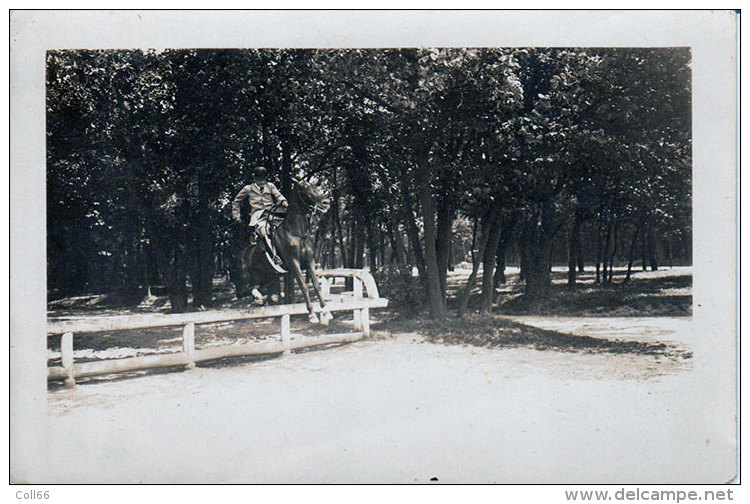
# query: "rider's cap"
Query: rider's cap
259,170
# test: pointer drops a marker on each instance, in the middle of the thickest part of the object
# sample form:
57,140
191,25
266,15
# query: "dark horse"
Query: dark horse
252,270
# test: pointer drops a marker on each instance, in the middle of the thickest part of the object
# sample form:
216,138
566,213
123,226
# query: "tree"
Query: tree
580,150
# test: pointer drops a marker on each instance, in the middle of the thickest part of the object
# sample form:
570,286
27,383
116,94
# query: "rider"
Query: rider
262,196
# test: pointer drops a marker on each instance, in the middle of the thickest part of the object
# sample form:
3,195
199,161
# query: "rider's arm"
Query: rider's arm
236,204
278,197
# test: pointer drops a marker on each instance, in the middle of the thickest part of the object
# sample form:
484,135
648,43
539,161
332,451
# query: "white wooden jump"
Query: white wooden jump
353,301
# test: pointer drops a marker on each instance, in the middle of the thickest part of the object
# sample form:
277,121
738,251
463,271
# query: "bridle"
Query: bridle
312,206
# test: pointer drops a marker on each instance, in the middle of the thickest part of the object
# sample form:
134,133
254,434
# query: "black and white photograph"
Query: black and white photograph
246,252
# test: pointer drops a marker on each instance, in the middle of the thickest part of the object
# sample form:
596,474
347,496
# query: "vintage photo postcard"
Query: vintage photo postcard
390,247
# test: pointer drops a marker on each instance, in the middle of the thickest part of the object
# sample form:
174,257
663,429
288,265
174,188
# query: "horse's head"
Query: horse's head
311,197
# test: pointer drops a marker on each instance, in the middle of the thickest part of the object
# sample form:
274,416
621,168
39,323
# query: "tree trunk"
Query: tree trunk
579,253
176,286
336,216
427,203
372,248
573,249
381,244
416,246
507,231
488,266
203,281
613,254
171,259
332,249
350,245
631,252
475,255
653,262
451,262
598,247
359,249
500,264
644,248
351,252
399,254
669,249
411,230
319,244
286,186
445,222
169,254
131,261
146,279
605,255
538,245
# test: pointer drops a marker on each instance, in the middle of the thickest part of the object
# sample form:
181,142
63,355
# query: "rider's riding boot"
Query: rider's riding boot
274,255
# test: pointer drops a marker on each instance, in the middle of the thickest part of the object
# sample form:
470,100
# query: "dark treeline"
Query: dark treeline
430,156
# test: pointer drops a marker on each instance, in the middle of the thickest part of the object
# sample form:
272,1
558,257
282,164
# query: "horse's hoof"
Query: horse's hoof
258,302
274,298
325,317
313,318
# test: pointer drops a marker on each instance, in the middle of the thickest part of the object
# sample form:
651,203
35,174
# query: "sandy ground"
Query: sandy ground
401,410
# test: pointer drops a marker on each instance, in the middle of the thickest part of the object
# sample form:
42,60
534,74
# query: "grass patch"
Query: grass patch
598,302
645,295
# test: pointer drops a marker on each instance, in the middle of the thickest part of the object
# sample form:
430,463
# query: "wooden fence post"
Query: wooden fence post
357,295
325,288
286,333
188,343
325,293
364,288
66,354
365,319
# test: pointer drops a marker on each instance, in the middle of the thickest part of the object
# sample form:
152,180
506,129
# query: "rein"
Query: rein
308,210
318,208
312,208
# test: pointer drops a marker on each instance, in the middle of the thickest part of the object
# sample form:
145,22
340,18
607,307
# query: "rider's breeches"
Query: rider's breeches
255,217
258,224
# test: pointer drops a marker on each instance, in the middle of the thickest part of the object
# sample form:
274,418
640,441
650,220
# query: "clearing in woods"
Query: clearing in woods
513,398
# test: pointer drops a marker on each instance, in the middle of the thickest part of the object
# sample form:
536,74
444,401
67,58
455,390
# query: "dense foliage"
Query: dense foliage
431,157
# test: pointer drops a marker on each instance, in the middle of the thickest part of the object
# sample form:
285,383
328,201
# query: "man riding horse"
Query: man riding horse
285,227
263,197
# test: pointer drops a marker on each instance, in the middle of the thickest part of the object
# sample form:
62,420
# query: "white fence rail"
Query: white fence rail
364,297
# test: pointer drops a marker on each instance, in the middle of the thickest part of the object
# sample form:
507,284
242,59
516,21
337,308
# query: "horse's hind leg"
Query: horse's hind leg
273,289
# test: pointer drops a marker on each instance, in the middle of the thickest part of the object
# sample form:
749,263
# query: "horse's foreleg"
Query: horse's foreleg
316,285
325,316
295,267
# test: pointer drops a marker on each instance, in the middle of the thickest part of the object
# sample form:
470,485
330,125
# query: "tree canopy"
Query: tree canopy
431,156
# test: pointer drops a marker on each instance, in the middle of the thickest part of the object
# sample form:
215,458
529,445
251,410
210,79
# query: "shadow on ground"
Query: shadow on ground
498,332
645,295
224,362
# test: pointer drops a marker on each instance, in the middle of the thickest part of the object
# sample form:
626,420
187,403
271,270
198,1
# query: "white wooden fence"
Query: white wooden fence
354,301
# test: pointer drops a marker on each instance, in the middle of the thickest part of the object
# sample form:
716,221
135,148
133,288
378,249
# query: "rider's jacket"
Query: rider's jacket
262,197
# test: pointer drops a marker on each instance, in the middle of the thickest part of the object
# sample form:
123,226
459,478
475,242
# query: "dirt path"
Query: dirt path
668,330
402,410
